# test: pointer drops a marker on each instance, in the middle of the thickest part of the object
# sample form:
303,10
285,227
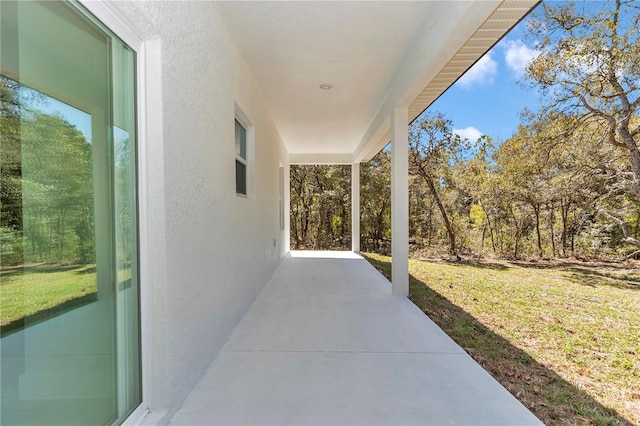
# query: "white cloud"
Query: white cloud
518,55
481,73
470,133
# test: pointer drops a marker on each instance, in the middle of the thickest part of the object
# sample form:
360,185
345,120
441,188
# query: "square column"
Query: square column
400,202
355,207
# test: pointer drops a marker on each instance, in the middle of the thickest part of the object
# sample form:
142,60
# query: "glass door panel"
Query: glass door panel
69,298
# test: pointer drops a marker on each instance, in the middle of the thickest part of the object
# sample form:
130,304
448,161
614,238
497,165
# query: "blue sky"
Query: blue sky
78,118
488,100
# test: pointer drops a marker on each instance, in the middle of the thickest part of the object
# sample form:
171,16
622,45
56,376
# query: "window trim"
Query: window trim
249,128
242,160
111,19
281,196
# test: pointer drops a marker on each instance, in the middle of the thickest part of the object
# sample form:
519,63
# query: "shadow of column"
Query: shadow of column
533,384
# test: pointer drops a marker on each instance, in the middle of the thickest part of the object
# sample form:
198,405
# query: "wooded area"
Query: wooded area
47,184
566,184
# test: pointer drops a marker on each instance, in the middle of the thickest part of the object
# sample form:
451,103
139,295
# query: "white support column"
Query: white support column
400,202
355,207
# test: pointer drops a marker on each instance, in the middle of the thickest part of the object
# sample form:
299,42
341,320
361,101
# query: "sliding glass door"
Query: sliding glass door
69,297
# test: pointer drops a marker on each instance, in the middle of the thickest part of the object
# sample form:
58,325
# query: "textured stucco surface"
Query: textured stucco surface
211,252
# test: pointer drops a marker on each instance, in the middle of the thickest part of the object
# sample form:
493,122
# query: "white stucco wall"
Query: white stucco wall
210,252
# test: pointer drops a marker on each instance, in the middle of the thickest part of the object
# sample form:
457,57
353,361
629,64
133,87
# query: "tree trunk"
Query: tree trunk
378,231
517,234
573,237
305,224
552,219
486,214
564,213
536,209
430,226
634,156
63,214
294,228
447,224
317,242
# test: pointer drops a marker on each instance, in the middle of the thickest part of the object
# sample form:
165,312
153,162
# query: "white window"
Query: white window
241,159
244,141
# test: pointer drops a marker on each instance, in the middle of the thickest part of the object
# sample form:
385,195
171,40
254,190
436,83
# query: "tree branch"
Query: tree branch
629,256
623,226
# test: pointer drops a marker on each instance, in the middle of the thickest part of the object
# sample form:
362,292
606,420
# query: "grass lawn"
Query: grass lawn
563,337
26,291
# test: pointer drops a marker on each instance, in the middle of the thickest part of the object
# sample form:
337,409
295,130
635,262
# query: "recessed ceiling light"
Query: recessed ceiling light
326,86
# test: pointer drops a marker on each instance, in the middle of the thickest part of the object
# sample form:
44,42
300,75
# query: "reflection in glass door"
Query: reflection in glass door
69,298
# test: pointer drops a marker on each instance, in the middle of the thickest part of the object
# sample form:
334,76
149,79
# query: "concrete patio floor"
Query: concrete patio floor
325,343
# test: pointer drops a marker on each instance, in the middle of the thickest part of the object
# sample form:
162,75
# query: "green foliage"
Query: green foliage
589,56
375,202
589,70
566,184
46,194
477,216
10,188
10,246
57,190
320,207
537,195
433,149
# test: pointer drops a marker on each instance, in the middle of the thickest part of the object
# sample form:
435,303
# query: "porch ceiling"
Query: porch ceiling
377,55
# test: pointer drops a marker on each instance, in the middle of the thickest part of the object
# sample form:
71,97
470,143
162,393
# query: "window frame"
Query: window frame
118,25
244,121
240,159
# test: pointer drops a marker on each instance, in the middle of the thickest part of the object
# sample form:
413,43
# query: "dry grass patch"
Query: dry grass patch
563,337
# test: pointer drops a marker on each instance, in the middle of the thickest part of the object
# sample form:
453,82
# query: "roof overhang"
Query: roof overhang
376,55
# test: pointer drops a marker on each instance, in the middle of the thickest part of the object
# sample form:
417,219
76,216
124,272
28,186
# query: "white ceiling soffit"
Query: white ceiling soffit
376,56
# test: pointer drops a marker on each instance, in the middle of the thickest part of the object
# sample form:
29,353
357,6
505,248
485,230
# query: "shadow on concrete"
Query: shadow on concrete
551,398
